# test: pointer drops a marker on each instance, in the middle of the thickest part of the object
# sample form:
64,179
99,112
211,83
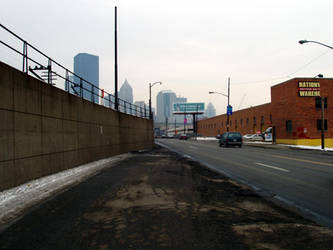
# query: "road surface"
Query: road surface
301,178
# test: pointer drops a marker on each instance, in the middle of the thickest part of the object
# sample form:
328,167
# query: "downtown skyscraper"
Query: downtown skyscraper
86,66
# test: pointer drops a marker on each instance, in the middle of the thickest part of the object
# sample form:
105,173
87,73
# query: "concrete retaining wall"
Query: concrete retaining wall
44,130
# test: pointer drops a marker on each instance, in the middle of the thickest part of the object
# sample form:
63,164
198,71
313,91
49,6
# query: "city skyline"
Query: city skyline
255,44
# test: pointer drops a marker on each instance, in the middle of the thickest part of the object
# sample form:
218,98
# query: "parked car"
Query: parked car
248,136
231,139
183,137
256,137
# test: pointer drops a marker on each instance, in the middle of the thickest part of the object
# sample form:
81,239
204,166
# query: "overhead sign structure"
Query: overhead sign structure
189,108
308,89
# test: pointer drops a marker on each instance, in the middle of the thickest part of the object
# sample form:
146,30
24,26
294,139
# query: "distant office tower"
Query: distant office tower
125,94
210,111
86,66
164,104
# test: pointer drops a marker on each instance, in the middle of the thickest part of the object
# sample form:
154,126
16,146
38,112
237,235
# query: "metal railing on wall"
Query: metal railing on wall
44,68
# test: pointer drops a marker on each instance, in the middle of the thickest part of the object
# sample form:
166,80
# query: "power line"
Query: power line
286,76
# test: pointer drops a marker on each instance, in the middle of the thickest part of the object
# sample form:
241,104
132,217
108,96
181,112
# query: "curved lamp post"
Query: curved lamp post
228,96
306,41
322,98
150,86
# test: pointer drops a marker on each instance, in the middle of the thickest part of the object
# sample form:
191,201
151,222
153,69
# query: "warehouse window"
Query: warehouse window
319,125
254,121
318,102
289,126
235,123
241,122
247,121
262,120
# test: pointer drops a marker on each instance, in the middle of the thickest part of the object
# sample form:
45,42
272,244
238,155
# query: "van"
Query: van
268,134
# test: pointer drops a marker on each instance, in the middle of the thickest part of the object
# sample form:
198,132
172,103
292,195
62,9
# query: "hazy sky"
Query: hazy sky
191,46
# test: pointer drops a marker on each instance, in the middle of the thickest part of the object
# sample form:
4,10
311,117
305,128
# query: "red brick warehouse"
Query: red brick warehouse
294,112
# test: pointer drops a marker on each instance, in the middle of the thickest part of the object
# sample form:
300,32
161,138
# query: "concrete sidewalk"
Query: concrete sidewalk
161,200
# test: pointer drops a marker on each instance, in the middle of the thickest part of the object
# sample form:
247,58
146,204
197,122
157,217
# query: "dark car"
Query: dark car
231,139
183,137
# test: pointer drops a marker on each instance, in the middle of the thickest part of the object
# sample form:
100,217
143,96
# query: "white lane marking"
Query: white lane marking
193,147
268,166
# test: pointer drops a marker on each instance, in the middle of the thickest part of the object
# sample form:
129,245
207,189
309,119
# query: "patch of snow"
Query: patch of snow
258,142
307,147
269,143
206,138
14,201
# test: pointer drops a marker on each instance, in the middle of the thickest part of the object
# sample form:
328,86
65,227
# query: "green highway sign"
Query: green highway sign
185,107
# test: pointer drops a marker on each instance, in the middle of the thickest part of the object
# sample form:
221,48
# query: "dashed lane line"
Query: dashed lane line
268,166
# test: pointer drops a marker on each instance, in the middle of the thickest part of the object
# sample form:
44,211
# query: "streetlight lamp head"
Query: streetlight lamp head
210,92
302,41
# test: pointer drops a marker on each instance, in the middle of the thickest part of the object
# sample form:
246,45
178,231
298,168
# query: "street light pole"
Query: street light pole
322,123
306,41
228,104
116,102
228,96
150,86
150,114
322,98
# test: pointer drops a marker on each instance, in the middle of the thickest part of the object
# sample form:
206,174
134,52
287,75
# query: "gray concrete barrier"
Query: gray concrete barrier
44,130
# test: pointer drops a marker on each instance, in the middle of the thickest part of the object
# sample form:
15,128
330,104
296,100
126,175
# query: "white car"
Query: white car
247,136
257,137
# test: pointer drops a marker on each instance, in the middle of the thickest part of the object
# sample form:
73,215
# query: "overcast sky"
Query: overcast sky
191,46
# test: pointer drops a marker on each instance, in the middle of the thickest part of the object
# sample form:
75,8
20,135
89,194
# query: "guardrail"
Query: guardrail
51,71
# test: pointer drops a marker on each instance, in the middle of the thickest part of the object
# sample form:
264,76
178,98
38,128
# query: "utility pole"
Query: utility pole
150,113
322,123
196,124
228,104
116,62
185,119
166,126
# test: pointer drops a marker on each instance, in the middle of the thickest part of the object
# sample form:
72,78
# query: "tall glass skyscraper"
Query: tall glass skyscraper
164,103
87,67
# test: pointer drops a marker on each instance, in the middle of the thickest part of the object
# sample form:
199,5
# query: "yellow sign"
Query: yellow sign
306,89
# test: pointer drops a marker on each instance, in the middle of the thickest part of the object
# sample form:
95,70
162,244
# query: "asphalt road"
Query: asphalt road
303,179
